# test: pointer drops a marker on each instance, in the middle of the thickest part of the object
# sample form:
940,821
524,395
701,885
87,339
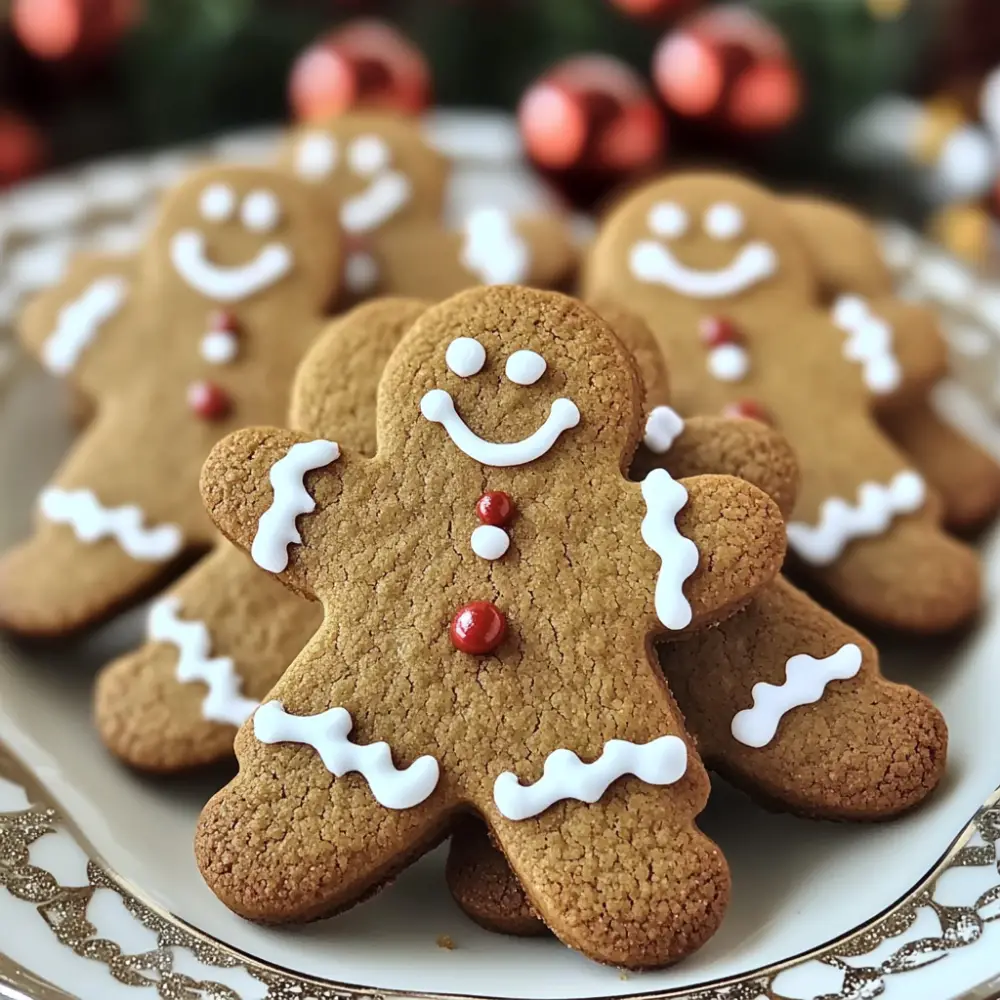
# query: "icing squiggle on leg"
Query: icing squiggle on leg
91,521
564,776
806,679
841,521
327,734
224,702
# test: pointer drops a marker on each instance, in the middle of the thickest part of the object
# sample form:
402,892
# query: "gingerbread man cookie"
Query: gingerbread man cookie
222,636
388,184
473,575
858,288
201,336
715,265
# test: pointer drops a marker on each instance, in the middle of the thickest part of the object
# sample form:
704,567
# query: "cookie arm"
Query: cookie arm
270,491
76,328
919,348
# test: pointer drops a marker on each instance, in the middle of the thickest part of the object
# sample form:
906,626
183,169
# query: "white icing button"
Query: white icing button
723,221
260,211
465,357
217,202
728,363
525,367
663,427
489,541
316,156
219,347
360,272
668,219
368,154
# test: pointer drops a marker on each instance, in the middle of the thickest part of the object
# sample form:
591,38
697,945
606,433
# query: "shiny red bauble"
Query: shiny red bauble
478,628
495,508
22,148
57,29
365,64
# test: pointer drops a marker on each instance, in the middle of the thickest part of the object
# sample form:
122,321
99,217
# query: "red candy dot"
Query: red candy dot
495,508
715,331
747,409
478,628
221,321
208,401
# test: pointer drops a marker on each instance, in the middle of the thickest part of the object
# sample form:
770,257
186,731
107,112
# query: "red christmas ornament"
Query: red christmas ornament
715,331
478,628
367,64
22,149
730,67
223,321
495,508
649,8
208,401
591,122
56,29
747,409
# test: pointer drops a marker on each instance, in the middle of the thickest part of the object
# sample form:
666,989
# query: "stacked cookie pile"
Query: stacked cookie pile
473,565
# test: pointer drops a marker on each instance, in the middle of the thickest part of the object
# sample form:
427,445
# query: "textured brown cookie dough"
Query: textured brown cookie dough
695,248
123,508
226,607
845,252
628,880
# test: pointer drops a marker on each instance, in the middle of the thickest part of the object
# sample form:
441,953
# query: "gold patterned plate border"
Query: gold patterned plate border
64,910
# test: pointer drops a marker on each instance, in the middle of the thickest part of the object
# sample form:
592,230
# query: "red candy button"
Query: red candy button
715,331
747,409
208,401
221,321
478,628
495,508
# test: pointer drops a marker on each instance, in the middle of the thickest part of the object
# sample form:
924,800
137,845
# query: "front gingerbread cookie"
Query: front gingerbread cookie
475,668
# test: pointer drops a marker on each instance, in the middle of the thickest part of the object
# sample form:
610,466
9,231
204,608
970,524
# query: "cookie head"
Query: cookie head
503,387
710,239
377,168
230,235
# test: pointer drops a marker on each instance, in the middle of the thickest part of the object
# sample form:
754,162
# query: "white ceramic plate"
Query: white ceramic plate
100,897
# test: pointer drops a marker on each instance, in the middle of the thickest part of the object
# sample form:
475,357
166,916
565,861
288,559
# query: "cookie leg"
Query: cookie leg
965,477
621,889
217,642
788,702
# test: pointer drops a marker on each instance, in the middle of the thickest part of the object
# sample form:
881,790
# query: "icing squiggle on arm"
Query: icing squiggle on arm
327,734
840,521
664,498
223,703
91,521
663,427
564,776
276,529
493,248
79,321
806,679
869,343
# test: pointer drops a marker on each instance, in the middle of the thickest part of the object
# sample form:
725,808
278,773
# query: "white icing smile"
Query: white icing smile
227,284
379,202
653,263
438,407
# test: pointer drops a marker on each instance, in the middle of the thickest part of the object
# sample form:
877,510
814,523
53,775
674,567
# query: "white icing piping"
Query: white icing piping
663,427
379,202
327,734
223,703
869,343
79,321
493,250
806,679
276,528
438,407
91,521
840,521
227,284
664,498
654,263
564,776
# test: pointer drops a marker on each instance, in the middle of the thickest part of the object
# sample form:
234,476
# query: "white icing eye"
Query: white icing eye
368,154
260,211
668,219
525,367
723,221
217,203
316,156
465,357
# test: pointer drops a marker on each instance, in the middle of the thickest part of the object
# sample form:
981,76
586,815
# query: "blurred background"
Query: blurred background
894,103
